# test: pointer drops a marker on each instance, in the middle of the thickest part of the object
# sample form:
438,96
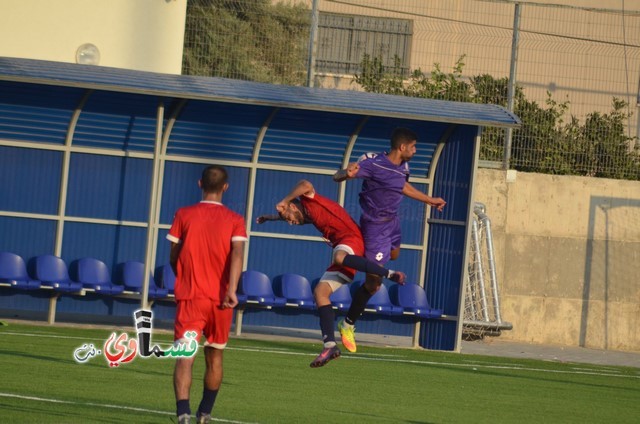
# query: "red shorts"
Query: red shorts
353,246
204,316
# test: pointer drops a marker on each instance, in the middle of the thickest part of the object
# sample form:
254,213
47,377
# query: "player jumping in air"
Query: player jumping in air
386,181
304,206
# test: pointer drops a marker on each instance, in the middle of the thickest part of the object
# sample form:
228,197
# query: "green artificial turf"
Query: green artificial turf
271,382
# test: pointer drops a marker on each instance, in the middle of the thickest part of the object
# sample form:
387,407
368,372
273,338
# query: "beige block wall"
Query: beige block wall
145,35
567,252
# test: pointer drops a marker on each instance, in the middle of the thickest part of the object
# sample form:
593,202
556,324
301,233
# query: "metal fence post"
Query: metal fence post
311,63
512,83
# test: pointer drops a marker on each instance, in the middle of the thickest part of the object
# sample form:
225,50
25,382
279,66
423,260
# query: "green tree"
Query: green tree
435,85
251,40
604,138
544,143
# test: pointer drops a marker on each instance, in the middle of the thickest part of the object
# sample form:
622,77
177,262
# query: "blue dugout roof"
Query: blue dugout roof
236,91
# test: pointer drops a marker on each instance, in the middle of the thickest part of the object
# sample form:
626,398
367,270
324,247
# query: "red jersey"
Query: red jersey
335,224
205,231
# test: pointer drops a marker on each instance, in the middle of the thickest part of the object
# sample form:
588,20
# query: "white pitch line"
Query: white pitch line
501,367
53,336
377,358
104,405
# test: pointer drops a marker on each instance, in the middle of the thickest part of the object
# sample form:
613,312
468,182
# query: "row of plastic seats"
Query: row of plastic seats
296,291
51,272
255,287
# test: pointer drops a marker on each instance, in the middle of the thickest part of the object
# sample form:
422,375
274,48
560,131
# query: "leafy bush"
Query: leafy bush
544,143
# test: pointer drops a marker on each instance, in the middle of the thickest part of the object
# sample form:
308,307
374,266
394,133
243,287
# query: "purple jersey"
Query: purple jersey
381,192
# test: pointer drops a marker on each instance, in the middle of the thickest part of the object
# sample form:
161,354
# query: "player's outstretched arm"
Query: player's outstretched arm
412,192
264,218
345,174
302,187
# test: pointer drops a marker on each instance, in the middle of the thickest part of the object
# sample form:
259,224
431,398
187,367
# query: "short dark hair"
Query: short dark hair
402,136
214,177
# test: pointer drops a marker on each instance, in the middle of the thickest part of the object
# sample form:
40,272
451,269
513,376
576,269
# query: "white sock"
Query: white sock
328,345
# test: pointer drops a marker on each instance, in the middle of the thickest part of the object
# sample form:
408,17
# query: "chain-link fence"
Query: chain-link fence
570,73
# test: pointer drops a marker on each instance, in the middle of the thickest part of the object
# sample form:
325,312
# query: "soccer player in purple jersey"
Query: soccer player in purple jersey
386,181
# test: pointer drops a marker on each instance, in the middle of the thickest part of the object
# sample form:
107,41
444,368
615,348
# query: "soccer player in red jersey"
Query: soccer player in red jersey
304,206
207,249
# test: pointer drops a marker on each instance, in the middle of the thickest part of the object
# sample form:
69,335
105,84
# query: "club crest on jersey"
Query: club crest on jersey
368,155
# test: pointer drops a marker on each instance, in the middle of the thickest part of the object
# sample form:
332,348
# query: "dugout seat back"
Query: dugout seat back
133,279
380,302
257,288
166,278
52,272
413,300
94,274
296,289
13,272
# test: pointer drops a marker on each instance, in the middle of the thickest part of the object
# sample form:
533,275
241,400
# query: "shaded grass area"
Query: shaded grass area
271,382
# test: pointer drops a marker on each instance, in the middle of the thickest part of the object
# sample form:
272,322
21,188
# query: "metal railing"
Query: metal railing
482,298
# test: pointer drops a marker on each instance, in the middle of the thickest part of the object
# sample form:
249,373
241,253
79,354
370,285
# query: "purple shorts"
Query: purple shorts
380,238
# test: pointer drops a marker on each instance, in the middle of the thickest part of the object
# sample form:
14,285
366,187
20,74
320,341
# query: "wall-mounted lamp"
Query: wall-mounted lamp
88,54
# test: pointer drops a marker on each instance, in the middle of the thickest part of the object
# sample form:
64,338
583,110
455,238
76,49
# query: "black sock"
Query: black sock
208,399
182,407
358,303
363,264
327,323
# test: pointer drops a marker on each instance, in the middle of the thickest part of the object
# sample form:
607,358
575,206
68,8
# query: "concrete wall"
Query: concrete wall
567,256
146,35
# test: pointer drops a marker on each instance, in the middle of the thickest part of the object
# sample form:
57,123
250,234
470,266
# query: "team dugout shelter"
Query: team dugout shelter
94,162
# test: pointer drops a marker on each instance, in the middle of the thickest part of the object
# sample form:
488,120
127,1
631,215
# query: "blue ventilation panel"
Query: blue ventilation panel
307,139
119,121
181,188
221,131
33,113
30,180
109,187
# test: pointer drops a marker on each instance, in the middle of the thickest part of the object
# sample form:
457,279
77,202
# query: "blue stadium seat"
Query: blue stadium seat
257,288
133,280
296,289
52,272
13,272
165,278
413,300
94,274
242,298
379,302
341,298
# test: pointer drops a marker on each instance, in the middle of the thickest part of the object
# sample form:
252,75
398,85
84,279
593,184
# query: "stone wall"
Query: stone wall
568,257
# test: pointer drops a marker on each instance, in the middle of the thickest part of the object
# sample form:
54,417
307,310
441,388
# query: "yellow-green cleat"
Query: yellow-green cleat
348,336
